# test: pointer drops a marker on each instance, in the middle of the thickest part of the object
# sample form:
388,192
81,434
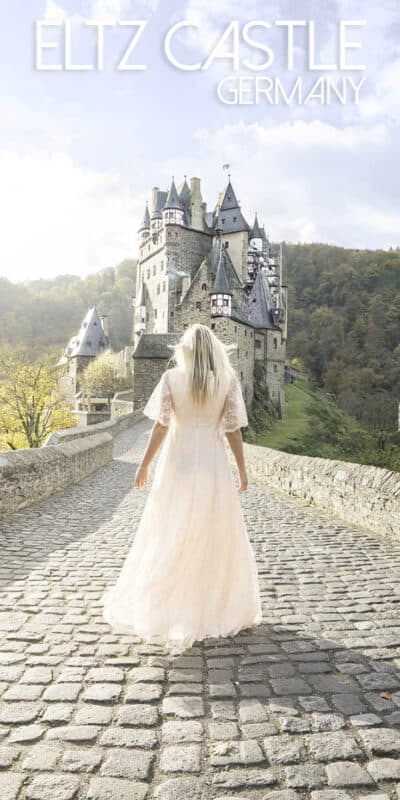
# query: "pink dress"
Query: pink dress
191,571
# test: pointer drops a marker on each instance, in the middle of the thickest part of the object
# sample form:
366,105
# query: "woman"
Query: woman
191,571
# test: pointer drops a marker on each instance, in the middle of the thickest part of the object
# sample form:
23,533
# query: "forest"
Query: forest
344,327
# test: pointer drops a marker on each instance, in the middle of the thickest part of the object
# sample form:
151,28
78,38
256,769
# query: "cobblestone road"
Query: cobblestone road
305,707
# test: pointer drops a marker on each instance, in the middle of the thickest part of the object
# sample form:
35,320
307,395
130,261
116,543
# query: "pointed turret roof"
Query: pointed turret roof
146,219
232,219
91,339
173,200
259,304
185,193
256,232
221,283
221,269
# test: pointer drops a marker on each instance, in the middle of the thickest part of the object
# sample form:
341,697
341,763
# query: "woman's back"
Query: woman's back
184,408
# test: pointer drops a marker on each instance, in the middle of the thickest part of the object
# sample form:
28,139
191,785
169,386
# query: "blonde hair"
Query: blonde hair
202,354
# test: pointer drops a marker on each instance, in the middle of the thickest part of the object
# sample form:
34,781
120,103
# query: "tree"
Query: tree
100,377
31,406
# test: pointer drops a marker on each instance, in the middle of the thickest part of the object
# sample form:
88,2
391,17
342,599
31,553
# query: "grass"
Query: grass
294,425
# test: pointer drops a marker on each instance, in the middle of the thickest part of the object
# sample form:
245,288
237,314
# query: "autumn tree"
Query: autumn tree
31,406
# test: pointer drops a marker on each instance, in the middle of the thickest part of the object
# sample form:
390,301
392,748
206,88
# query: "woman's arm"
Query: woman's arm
157,435
236,444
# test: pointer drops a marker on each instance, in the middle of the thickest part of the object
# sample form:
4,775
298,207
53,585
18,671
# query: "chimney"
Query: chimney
197,204
154,193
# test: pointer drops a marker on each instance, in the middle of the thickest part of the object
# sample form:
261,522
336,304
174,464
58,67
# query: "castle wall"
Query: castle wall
242,359
146,373
174,248
238,244
275,354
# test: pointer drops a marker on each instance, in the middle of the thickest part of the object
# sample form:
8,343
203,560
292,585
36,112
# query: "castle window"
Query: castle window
223,221
155,313
226,301
235,328
148,273
204,286
275,342
241,375
247,353
226,245
258,344
198,305
154,269
172,313
185,325
234,219
275,368
158,288
95,323
213,326
245,331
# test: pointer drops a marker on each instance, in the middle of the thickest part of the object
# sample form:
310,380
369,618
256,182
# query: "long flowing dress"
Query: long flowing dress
191,572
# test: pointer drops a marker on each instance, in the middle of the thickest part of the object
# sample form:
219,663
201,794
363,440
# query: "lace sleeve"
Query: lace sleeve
234,413
159,404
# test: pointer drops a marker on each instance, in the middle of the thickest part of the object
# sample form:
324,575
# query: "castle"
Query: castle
211,267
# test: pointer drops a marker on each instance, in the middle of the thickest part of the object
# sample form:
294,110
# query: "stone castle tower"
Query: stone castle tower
211,267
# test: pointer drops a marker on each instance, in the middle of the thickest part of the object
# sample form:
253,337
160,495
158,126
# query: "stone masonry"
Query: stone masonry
304,707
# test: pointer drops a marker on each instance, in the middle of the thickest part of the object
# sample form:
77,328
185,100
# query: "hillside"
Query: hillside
344,326
344,331
42,315
315,426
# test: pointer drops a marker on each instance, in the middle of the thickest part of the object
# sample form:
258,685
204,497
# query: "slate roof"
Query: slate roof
91,339
219,257
146,219
155,345
260,305
231,217
185,194
256,232
173,200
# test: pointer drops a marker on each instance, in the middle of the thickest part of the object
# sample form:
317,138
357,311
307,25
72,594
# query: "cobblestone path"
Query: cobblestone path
307,706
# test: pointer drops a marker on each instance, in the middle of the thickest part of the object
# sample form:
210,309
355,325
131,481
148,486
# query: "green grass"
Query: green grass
290,429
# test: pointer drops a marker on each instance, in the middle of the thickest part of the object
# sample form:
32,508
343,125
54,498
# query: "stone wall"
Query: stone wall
68,456
27,476
358,494
146,373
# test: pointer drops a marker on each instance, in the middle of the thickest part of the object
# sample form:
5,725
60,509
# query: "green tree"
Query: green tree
31,406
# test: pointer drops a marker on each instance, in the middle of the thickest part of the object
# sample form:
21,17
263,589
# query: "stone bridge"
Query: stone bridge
305,707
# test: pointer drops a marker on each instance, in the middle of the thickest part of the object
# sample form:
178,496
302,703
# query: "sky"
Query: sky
81,150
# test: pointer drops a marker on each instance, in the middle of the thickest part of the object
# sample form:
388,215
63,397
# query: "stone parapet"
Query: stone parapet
30,475
356,493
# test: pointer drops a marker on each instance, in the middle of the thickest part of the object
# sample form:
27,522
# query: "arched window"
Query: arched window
204,286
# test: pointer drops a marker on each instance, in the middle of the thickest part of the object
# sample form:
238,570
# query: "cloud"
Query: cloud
54,12
312,181
58,217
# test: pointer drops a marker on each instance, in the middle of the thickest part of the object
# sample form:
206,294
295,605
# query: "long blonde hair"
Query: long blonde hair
202,355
